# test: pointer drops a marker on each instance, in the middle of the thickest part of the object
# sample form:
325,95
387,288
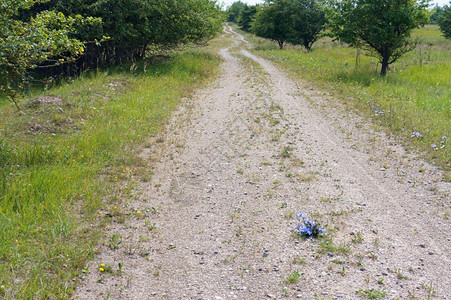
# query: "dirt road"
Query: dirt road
237,163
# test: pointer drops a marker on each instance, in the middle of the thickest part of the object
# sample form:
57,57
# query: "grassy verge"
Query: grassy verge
65,153
414,98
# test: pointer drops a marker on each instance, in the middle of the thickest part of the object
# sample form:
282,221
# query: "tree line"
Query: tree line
382,28
74,35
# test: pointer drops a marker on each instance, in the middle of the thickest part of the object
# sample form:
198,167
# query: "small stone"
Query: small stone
271,296
431,253
330,254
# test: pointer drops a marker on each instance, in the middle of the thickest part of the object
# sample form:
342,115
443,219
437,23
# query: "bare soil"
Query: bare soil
238,161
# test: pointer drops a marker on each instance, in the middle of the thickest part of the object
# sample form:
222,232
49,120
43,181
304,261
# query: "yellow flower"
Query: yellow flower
138,212
108,226
115,207
100,212
102,265
101,269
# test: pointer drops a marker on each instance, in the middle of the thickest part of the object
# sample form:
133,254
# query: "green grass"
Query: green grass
327,245
414,97
60,161
293,277
372,294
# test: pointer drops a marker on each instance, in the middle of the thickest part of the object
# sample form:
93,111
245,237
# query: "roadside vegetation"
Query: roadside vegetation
411,101
82,91
72,151
401,78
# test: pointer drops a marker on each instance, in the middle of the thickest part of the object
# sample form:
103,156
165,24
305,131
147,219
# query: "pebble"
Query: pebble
270,296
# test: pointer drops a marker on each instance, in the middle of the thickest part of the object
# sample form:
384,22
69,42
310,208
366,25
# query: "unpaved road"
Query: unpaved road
237,163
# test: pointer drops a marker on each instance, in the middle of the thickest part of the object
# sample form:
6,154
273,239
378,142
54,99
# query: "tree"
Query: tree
435,14
137,27
245,17
272,21
381,27
26,44
444,21
309,19
233,12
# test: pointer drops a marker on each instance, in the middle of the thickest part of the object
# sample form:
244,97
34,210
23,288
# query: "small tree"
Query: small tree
435,14
246,16
444,21
233,12
308,18
381,27
25,45
272,21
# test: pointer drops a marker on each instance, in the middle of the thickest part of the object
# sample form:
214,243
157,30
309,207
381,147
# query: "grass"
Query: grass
414,97
326,245
293,277
372,294
62,157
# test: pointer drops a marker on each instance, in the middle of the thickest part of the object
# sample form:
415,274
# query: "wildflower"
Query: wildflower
301,215
416,134
139,212
308,223
102,265
434,146
100,212
101,269
308,228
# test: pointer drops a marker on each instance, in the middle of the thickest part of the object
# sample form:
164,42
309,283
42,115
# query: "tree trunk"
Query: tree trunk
384,67
280,44
357,58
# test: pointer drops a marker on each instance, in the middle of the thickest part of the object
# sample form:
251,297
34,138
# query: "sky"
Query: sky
252,2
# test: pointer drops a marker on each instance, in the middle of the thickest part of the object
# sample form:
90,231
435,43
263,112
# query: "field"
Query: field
71,151
413,101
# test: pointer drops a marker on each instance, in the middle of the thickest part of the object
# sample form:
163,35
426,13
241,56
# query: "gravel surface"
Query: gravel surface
236,164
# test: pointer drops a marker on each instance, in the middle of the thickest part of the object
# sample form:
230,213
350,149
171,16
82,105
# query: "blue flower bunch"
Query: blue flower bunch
308,228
